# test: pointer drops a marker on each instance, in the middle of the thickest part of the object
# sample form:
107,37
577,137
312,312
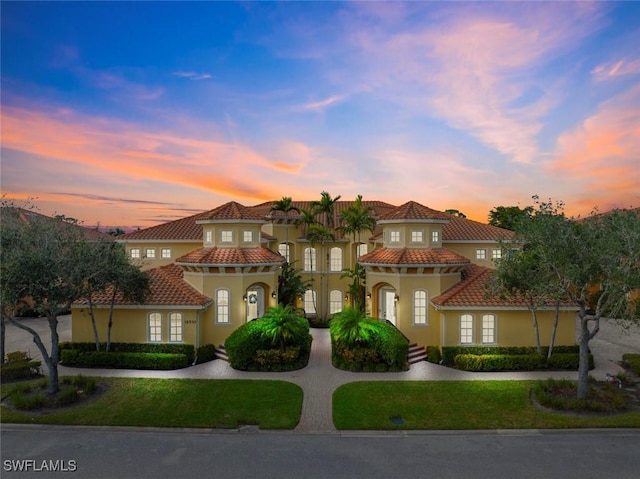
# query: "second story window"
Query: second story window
481,254
150,253
226,236
208,237
394,237
247,236
134,253
435,237
335,263
417,237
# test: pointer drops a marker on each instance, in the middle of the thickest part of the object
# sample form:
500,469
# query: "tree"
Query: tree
508,217
354,220
44,265
320,234
116,231
326,206
285,205
457,213
291,286
283,325
357,289
600,254
306,219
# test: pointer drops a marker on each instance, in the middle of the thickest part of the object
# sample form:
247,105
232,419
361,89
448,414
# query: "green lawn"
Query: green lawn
454,405
180,403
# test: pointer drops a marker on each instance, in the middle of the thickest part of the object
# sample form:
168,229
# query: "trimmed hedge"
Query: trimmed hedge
386,350
450,352
433,354
117,360
24,369
633,360
205,353
517,362
187,349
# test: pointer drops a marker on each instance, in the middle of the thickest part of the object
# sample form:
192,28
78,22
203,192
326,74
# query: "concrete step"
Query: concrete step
416,353
221,353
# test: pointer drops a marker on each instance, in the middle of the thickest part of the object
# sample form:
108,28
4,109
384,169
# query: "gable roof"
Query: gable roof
412,210
412,257
231,257
168,288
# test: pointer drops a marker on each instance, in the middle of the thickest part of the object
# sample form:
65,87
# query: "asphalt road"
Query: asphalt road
98,453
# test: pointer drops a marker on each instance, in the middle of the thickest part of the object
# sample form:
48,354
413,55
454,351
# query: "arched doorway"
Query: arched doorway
387,304
255,302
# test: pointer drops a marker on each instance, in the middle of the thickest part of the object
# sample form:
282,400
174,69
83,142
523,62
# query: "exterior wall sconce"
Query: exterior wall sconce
274,294
396,298
244,298
368,295
346,297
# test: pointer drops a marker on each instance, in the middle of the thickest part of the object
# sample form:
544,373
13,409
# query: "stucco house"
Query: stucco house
425,273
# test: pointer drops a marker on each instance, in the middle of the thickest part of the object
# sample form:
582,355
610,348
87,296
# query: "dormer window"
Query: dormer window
247,236
208,237
417,237
394,237
435,237
226,236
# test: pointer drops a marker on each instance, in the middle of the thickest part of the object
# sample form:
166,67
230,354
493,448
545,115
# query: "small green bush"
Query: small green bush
17,356
67,396
205,353
633,362
434,355
19,370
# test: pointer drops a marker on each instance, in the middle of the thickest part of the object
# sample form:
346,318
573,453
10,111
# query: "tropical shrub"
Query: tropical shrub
279,341
433,354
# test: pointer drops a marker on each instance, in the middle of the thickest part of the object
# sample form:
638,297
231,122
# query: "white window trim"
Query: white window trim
181,319
496,253
224,233
417,237
228,306
335,262
472,318
135,253
335,305
426,308
312,301
310,254
481,253
435,237
248,233
392,234
165,253
152,328
150,253
494,328
208,237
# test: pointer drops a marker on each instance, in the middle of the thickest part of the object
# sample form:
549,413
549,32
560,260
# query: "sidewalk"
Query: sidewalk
320,379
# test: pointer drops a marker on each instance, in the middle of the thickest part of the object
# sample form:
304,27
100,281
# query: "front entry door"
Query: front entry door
387,305
255,302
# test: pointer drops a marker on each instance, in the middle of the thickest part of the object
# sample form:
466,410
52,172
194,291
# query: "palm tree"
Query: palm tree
307,218
285,205
283,325
319,234
351,326
355,219
327,206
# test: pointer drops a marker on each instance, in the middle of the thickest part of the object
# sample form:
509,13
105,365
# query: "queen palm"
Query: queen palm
326,205
285,205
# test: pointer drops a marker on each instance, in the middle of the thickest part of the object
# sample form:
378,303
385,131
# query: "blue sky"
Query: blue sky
135,113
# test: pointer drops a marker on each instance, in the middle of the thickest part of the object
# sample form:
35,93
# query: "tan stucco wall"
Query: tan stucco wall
129,325
513,328
468,250
177,250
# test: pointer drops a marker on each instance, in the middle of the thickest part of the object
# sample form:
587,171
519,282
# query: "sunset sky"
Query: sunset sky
136,113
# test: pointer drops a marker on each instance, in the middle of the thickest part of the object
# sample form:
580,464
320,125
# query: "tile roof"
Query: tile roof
472,292
412,210
378,208
412,256
462,229
168,288
231,256
182,229
231,211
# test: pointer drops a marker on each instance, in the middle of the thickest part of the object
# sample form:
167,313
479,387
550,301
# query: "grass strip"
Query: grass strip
179,403
440,405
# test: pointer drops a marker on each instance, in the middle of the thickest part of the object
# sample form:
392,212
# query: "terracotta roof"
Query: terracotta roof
231,256
168,288
414,211
231,211
462,229
182,229
471,292
412,256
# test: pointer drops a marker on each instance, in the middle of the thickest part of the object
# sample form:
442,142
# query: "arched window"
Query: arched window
488,329
310,301
175,327
420,306
283,249
335,262
310,263
466,329
222,306
335,301
155,327
362,249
